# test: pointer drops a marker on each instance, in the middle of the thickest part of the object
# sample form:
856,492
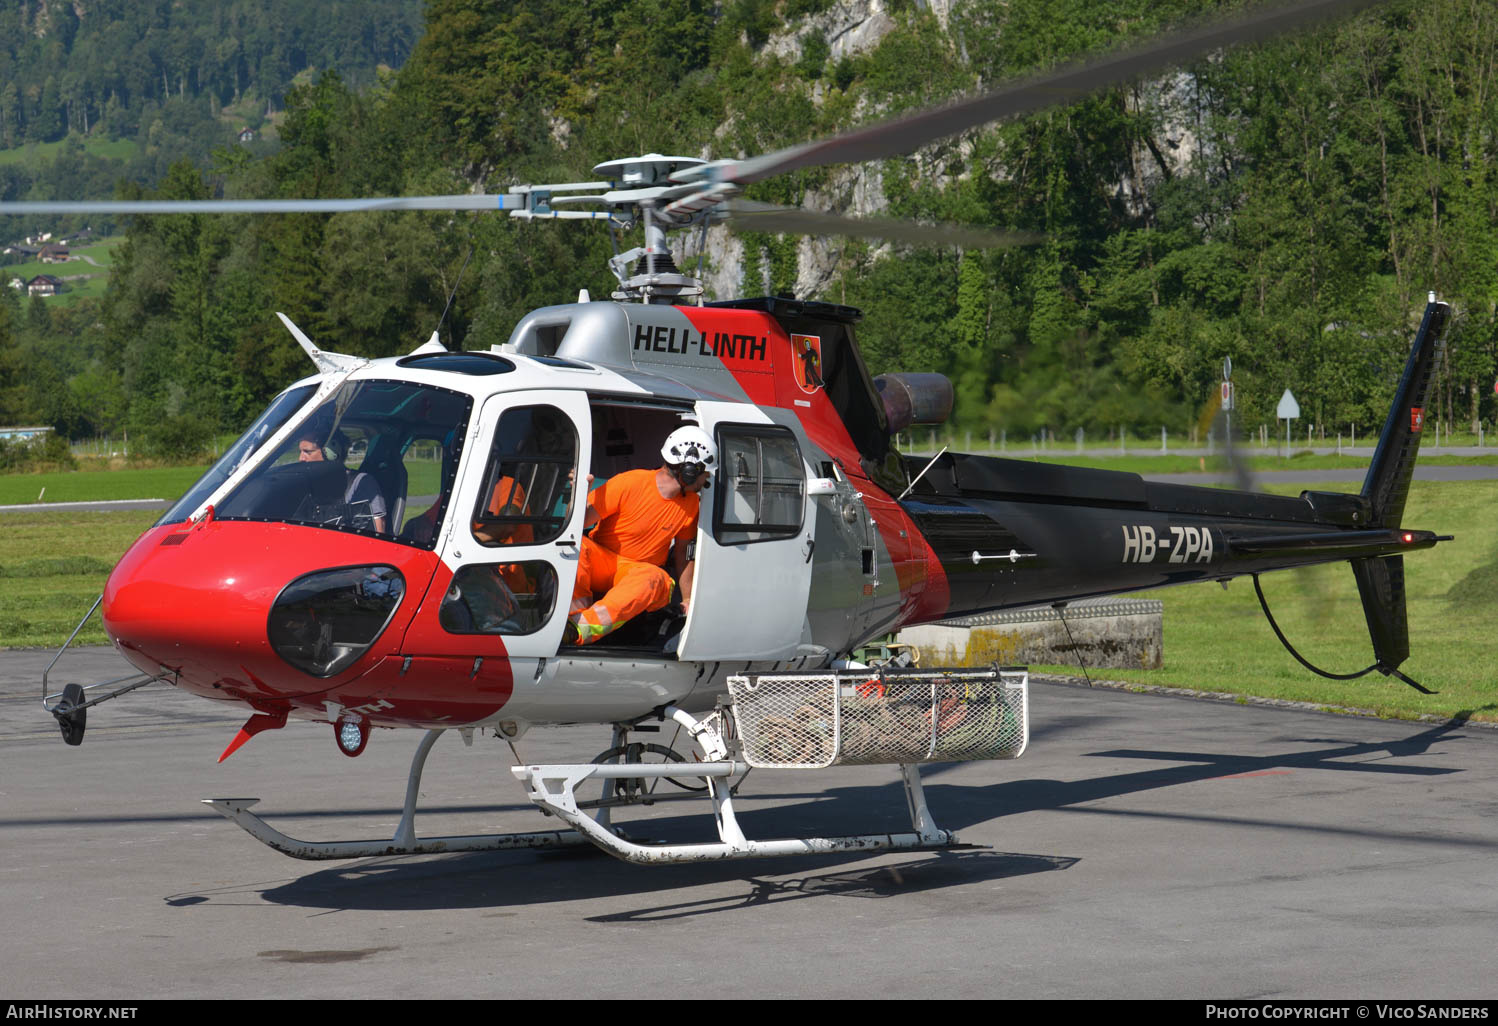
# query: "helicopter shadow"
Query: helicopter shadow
965,806
508,880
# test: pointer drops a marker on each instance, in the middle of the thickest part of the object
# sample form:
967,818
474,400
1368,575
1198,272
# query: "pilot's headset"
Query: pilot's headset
337,445
690,454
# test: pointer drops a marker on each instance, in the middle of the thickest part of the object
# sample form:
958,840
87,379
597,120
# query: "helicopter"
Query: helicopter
344,561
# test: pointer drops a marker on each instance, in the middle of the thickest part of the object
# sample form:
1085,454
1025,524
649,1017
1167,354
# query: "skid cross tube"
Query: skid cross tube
553,789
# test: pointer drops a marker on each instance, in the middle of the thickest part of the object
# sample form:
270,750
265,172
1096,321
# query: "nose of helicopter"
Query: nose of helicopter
260,610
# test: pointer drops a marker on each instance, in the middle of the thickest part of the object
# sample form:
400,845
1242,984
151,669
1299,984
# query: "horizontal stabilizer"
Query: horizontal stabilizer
1330,544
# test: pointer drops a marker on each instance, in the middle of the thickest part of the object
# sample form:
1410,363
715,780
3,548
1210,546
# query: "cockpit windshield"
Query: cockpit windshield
267,424
376,457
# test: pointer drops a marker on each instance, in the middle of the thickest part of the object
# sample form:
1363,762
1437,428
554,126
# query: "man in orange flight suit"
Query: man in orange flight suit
508,499
646,519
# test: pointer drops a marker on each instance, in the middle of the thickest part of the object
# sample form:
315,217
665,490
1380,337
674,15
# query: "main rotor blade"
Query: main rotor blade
747,215
1069,83
467,201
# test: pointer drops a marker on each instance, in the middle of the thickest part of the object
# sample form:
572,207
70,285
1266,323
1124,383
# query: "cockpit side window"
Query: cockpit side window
526,497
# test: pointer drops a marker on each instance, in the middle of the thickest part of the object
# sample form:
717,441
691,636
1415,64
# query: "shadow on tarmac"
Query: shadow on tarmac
508,879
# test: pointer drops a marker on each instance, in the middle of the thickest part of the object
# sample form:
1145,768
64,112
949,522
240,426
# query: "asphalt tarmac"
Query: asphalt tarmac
1144,847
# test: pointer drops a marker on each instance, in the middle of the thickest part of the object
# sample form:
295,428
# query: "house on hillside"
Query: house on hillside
44,285
20,250
23,434
246,134
17,282
54,253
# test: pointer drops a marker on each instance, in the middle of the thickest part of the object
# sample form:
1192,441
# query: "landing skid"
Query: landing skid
404,842
553,790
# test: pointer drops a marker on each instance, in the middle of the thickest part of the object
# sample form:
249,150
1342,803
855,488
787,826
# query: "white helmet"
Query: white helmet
690,444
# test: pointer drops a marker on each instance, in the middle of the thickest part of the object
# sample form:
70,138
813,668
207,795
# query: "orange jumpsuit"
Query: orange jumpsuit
508,498
624,557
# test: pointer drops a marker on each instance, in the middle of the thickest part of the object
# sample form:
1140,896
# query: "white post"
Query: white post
1162,438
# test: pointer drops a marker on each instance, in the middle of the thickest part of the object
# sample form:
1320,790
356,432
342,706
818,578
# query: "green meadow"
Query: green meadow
150,483
94,146
52,567
97,485
1218,640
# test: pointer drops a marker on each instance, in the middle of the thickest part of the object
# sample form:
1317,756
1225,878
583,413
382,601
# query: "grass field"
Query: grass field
108,149
1169,464
148,483
1218,640
98,485
52,565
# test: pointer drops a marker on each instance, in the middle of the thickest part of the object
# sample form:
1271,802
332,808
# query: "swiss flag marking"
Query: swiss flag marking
1417,417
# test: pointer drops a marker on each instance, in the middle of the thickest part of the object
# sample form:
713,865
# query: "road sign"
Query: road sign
1227,395
1288,408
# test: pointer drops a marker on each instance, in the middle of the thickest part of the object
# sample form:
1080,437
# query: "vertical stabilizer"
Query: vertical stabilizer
1387,485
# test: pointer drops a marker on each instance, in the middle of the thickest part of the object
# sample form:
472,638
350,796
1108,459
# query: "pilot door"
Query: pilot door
754,540
517,516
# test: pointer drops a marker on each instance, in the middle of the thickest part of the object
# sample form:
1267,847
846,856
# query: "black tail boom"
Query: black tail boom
1012,533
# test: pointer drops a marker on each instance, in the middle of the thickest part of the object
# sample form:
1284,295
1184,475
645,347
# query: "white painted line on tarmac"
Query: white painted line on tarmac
42,507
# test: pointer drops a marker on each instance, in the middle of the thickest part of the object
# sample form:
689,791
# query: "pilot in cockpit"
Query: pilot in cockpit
362,495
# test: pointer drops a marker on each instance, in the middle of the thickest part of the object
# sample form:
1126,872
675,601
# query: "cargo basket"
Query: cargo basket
863,717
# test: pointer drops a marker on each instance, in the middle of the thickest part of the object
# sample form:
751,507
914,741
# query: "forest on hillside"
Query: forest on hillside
174,79
1288,204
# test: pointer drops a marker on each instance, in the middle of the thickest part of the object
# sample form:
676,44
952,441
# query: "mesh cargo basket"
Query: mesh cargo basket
861,717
